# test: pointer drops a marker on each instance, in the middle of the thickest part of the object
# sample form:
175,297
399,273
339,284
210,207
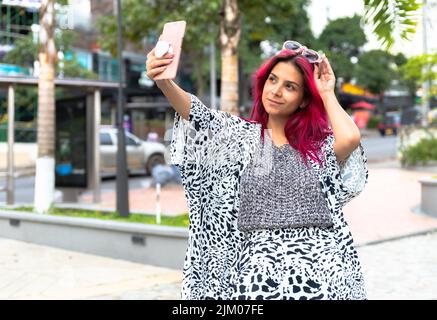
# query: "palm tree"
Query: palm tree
230,30
387,15
45,164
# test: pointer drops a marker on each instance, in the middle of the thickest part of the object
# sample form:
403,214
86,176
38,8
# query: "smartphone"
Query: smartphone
173,33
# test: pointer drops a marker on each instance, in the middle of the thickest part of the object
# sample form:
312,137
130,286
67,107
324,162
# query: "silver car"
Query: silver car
140,154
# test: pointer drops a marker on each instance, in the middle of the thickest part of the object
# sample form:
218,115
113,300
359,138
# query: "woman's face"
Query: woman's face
283,90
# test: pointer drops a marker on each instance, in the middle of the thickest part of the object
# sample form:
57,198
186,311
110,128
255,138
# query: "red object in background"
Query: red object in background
361,117
363,105
362,110
94,47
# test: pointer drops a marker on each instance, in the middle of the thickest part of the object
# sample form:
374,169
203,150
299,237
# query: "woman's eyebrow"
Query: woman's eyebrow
286,81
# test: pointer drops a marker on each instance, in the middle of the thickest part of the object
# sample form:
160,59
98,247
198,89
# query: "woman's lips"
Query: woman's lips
273,102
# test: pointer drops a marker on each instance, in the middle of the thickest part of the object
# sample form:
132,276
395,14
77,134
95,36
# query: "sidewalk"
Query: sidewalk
387,209
401,269
30,271
172,200
389,206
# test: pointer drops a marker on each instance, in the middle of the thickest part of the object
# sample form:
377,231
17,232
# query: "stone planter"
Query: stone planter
161,246
429,195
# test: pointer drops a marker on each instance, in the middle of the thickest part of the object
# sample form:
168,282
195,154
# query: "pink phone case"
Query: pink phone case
173,33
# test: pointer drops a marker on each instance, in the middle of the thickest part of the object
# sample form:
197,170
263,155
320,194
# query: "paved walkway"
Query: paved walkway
172,200
30,271
401,269
389,206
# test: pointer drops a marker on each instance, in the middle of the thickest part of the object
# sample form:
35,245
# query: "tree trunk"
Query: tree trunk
44,180
200,83
230,30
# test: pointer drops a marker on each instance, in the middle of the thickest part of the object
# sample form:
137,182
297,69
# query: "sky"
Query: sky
320,10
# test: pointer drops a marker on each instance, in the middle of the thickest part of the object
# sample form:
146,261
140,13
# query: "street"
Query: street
379,148
24,187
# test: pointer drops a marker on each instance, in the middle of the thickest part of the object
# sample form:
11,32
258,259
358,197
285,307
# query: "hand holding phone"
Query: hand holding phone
170,41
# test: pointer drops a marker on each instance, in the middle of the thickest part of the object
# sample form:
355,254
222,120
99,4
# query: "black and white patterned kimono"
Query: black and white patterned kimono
212,150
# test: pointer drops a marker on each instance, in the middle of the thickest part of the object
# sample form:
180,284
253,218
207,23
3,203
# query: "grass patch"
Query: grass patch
176,221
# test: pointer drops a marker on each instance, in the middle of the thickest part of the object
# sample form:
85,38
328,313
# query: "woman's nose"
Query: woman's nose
276,90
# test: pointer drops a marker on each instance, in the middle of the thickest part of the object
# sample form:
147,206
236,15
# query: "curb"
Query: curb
409,235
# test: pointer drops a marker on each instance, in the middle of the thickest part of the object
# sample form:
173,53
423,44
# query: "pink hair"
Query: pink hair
307,128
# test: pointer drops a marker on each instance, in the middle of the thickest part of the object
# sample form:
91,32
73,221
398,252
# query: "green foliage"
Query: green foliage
386,16
419,69
343,35
72,69
25,52
375,70
26,101
273,26
421,153
373,122
341,40
175,221
145,20
26,106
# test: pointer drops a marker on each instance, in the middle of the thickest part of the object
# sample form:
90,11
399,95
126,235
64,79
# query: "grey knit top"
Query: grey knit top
278,190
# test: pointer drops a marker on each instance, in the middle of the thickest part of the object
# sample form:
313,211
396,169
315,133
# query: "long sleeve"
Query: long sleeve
208,135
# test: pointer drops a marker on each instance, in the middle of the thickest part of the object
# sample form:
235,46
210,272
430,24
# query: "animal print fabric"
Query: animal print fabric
212,150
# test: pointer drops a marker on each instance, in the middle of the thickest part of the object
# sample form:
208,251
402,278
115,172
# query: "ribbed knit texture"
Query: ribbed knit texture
278,191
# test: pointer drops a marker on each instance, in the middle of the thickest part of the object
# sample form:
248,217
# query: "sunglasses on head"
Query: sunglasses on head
311,55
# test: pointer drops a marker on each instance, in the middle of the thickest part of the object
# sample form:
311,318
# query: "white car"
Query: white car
140,154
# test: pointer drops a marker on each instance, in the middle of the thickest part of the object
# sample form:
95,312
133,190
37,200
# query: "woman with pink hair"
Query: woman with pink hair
265,194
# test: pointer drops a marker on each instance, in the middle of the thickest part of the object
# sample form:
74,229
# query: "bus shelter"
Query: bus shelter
92,90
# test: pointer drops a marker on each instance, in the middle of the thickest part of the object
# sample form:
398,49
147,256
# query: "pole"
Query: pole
96,138
11,118
158,203
122,183
213,76
425,86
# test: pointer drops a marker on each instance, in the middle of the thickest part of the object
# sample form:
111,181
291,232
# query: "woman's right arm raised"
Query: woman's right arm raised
178,98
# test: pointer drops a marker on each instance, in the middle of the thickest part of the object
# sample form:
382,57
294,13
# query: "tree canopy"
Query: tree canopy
343,39
144,20
375,70
419,69
389,16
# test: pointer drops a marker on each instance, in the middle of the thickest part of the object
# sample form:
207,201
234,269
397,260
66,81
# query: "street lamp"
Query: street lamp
425,85
122,183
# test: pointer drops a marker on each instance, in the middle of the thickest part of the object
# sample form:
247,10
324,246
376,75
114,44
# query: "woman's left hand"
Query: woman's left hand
326,82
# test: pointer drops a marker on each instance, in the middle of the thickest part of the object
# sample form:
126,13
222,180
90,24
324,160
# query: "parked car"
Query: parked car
140,154
390,124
